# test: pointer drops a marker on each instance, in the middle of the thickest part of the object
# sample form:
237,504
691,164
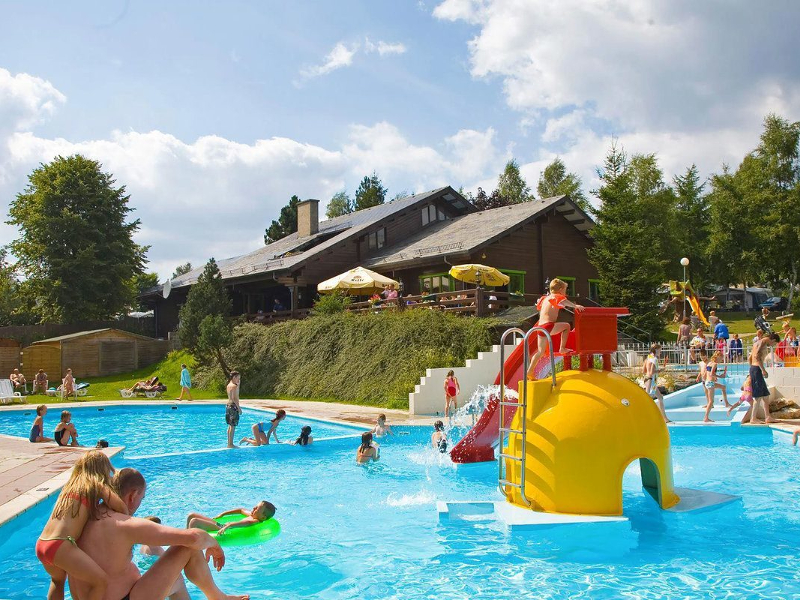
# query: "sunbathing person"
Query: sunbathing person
18,380
147,385
260,512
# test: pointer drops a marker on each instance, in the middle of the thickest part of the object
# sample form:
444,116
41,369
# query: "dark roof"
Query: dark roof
72,336
291,251
465,234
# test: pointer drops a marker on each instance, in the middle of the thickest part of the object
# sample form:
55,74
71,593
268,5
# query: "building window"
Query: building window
517,283
570,281
594,290
431,214
436,283
377,239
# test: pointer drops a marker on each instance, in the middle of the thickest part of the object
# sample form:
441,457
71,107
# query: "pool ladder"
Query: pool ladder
521,404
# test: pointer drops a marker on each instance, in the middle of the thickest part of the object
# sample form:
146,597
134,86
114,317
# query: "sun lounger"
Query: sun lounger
7,393
80,390
155,392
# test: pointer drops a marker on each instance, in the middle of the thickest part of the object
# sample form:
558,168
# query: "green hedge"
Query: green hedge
360,358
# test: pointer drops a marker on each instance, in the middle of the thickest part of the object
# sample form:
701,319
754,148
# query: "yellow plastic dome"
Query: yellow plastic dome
581,436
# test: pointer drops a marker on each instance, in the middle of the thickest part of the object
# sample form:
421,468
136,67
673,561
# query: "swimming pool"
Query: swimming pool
373,532
159,429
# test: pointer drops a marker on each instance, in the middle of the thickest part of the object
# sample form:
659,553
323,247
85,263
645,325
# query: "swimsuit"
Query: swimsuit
36,432
232,415
46,548
59,436
442,444
757,382
747,394
451,388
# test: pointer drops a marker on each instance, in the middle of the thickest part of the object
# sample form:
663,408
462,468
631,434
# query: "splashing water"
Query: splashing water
467,415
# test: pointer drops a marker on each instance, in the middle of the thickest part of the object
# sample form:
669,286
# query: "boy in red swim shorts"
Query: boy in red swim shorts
549,307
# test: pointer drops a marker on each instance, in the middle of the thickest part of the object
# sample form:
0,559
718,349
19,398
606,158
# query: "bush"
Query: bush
329,304
362,358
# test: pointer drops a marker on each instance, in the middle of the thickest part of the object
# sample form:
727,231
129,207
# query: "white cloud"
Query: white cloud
340,56
685,80
214,196
384,48
26,100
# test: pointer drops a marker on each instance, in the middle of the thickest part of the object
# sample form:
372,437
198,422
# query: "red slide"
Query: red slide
478,444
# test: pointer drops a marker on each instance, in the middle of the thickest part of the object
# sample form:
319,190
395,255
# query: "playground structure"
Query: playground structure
682,292
567,440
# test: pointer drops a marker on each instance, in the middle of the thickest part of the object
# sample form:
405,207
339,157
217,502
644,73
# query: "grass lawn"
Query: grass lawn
107,388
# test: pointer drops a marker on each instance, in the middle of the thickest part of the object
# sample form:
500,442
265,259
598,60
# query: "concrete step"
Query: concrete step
718,414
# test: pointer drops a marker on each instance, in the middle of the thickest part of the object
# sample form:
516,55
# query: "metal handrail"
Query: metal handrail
522,404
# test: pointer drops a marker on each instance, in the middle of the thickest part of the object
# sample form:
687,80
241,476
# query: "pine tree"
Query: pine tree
626,250
692,225
205,326
286,223
370,192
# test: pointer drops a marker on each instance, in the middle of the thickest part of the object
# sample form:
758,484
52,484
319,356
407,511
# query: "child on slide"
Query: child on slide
57,548
259,513
549,307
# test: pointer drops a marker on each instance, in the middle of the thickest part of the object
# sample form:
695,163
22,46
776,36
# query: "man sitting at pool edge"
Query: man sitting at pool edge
110,540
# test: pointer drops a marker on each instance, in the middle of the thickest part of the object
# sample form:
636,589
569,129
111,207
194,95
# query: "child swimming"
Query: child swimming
439,437
260,512
260,437
305,437
381,428
79,501
368,450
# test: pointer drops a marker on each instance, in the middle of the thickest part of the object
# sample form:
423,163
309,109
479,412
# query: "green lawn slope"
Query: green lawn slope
168,371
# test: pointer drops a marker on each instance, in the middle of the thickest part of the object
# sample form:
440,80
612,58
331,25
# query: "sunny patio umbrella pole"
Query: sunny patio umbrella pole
357,282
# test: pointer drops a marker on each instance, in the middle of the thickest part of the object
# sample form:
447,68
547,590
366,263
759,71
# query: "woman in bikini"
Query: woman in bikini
38,426
80,500
368,451
451,390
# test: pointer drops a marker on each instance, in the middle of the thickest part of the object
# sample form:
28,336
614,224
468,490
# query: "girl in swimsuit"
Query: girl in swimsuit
65,429
305,437
261,437
368,450
549,307
79,501
451,391
38,426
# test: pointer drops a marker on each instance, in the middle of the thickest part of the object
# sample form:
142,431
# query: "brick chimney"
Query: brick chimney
307,218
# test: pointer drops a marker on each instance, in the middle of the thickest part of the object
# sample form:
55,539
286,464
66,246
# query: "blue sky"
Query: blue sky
214,114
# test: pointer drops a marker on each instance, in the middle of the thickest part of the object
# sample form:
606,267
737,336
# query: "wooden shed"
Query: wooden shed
92,353
9,356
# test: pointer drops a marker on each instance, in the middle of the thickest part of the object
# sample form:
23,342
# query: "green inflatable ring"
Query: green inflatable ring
257,533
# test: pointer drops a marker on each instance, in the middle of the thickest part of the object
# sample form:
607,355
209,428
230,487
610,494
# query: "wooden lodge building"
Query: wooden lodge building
413,240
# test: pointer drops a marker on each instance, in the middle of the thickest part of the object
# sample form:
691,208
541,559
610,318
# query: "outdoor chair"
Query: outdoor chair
7,393
154,392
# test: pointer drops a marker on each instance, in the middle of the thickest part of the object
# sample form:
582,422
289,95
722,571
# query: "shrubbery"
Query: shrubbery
362,358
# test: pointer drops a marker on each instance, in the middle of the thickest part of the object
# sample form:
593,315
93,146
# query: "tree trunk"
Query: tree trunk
792,283
223,365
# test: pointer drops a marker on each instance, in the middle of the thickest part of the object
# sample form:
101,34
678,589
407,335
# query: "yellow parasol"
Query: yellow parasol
479,275
357,282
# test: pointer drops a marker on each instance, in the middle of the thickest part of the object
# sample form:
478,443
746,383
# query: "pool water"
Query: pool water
159,429
371,532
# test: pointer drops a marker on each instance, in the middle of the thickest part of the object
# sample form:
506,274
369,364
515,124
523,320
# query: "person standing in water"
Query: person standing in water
233,411
439,437
451,390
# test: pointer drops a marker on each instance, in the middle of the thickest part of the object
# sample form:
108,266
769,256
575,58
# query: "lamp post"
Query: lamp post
685,263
